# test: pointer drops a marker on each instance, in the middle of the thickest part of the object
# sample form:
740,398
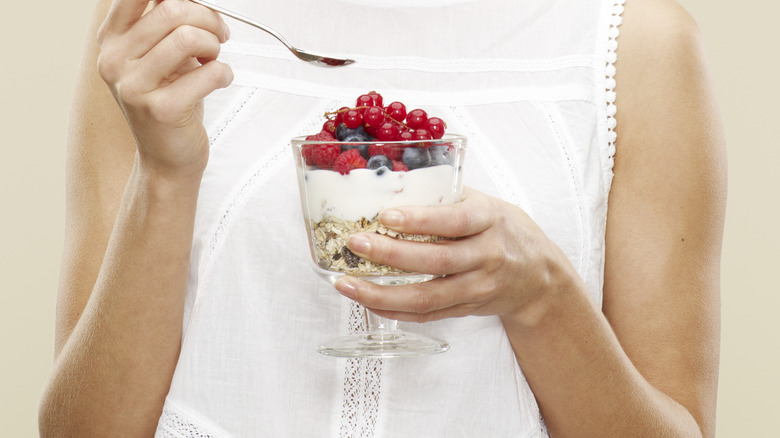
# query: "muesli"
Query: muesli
331,252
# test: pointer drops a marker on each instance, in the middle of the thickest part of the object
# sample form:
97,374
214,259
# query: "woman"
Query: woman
183,308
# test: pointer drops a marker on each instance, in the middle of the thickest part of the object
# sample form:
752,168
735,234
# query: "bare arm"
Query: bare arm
129,218
647,365
662,291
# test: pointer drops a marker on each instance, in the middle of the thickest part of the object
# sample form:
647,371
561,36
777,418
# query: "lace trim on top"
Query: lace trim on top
362,386
612,44
173,424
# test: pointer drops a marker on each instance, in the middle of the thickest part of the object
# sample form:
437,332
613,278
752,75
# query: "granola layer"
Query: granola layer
331,252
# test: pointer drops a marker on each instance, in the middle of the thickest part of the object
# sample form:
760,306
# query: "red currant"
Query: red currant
352,118
374,116
397,111
416,118
387,131
436,127
377,98
405,135
339,114
372,98
422,134
330,126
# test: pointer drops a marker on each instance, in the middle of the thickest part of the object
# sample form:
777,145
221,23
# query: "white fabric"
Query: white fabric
526,81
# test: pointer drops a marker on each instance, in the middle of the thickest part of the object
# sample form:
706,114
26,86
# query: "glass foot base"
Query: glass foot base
384,344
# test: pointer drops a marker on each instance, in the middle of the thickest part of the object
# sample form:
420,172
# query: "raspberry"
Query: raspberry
321,136
324,155
348,160
399,166
308,149
392,151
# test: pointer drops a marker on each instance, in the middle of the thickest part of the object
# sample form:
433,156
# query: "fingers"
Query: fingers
469,217
199,83
432,300
183,44
166,18
438,258
163,47
140,33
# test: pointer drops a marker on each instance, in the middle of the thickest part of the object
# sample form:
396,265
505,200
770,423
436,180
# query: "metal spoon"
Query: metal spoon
300,54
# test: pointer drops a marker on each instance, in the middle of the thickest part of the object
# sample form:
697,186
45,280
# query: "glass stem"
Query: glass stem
379,324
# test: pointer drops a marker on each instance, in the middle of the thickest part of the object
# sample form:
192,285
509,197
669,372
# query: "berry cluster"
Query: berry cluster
366,137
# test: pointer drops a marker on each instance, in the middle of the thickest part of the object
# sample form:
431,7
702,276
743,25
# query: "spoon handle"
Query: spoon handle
244,19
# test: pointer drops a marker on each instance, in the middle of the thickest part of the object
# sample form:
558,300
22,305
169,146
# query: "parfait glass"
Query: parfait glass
336,205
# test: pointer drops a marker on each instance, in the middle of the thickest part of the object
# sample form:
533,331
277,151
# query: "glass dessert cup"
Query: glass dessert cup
337,205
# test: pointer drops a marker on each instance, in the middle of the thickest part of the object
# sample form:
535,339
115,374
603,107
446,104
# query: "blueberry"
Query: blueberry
441,155
352,135
378,161
357,137
340,131
415,158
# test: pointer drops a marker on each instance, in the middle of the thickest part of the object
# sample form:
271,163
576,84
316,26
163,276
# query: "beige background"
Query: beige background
41,42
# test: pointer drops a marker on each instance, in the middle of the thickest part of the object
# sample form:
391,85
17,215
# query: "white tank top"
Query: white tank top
529,82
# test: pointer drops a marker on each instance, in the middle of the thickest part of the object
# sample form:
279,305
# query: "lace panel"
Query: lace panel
362,386
556,124
229,119
615,21
174,424
492,161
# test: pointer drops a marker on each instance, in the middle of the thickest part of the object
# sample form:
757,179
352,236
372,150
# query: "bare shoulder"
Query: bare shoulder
661,52
659,24
668,115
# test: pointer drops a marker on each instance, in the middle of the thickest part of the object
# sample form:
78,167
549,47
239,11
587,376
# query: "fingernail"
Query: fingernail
359,244
391,217
346,288
226,31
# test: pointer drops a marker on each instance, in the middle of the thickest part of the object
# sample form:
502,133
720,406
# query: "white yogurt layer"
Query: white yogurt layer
363,193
